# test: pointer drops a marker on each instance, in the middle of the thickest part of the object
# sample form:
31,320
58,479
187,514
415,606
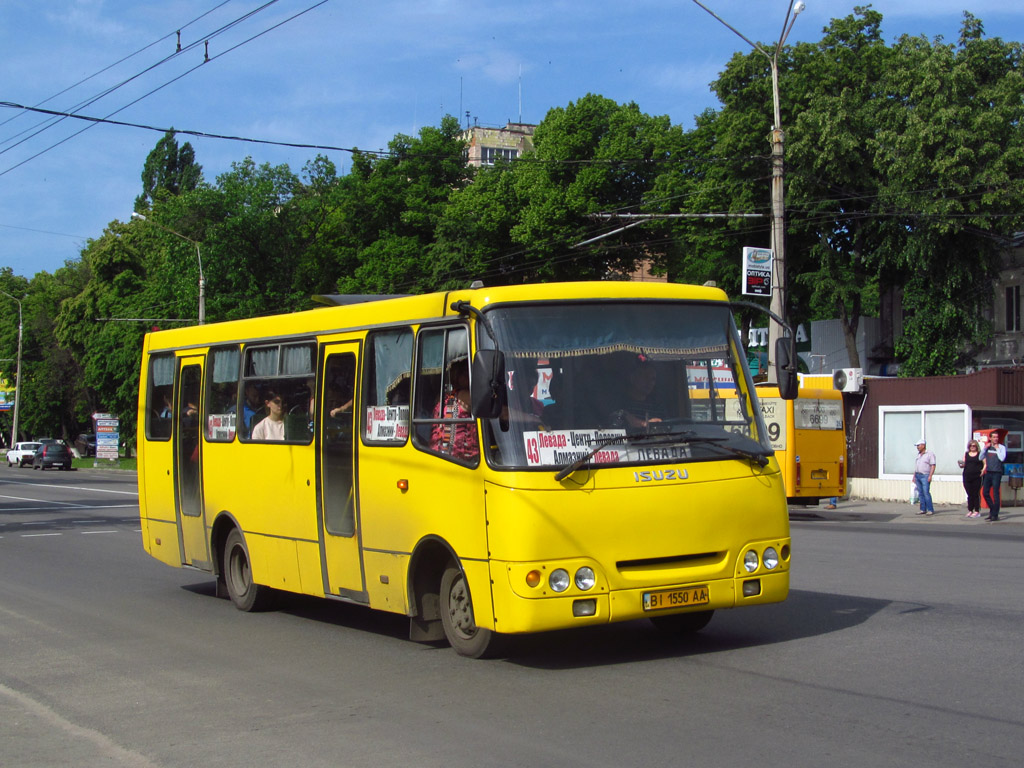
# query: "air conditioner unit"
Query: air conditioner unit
848,379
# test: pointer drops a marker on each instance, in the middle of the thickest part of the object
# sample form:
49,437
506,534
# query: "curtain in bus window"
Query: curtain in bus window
392,353
296,360
225,365
161,371
262,362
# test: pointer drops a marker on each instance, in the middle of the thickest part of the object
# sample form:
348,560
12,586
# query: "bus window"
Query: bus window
222,394
284,371
660,373
388,377
160,397
443,421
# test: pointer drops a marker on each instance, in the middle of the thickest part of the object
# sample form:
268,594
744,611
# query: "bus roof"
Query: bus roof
362,310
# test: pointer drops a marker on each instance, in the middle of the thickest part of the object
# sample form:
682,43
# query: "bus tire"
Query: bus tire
244,593
682,624
457,618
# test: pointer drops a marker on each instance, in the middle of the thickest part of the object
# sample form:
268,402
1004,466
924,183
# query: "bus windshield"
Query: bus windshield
622,383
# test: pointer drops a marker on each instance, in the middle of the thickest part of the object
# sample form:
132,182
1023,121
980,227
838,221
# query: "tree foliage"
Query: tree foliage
169,170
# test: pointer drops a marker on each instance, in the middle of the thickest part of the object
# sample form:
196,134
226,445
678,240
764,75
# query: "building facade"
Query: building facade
486,146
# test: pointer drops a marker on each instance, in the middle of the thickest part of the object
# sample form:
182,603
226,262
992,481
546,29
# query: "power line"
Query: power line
116,63
207,58
186,132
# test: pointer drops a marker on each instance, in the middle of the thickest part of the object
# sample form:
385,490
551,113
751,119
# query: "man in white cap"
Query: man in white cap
924,468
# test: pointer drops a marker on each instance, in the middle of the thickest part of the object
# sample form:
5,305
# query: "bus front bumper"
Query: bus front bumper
514,614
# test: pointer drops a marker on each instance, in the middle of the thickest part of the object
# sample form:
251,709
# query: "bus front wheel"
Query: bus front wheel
457,618
682,624
246,595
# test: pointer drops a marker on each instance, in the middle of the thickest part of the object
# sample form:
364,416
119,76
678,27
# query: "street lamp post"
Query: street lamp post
778,300
17,374
199,258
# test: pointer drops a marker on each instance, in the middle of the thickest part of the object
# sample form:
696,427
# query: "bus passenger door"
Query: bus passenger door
338,510
188,465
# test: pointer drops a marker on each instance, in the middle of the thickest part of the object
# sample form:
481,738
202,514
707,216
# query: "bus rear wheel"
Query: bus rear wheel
682,624
458,621
246,595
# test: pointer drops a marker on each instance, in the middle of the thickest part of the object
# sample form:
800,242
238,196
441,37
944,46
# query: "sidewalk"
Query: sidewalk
866,510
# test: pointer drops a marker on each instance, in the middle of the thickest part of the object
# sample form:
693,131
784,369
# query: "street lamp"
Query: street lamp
199,258
778,300
17,380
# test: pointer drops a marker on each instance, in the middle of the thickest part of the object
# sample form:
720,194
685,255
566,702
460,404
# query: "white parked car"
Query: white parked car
21,454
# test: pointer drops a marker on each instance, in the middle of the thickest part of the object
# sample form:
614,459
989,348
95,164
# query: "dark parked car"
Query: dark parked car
52,455
85,444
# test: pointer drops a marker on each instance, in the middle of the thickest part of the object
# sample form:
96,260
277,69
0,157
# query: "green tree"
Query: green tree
902,171
98,323
393,208
526,221
169,169
951,151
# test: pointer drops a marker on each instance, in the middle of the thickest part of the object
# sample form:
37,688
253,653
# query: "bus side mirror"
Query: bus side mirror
786,368
487,390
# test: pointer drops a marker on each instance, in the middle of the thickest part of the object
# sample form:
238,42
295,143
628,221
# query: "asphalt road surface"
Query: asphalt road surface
899,646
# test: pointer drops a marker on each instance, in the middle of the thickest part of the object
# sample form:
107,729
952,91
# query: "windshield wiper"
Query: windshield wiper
688,436
684,436
568,469
719,442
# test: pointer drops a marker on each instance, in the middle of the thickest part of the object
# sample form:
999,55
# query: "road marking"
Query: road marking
33,535
69,487
104,743
86,533
57,505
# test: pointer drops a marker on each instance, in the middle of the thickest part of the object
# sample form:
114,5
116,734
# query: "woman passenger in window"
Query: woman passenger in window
457,440
272,427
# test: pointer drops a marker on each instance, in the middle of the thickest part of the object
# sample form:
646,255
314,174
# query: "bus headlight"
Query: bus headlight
771,558
750,561
585,578
559,580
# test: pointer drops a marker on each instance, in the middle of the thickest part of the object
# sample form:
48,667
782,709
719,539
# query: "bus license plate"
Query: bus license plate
676,598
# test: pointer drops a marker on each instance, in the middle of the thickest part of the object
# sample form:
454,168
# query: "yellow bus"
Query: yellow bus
488,461
809,440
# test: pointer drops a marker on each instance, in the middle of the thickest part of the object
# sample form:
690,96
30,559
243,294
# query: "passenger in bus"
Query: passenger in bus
340,393
252,406
641,408
272,427
457,440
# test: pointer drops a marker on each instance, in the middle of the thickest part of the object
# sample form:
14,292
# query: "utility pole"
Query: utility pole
778,299
199,258
17,380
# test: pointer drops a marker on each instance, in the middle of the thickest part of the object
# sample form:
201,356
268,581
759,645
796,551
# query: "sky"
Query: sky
344,74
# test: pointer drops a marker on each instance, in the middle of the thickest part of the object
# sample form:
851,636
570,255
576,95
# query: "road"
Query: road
899,646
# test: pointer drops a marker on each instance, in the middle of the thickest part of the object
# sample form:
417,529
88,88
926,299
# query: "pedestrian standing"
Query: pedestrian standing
924,468
992,455
972,465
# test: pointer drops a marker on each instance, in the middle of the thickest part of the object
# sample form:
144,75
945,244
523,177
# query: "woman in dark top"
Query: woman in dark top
972,464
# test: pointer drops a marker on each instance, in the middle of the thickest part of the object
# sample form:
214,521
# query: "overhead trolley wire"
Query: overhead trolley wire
93,121
112,65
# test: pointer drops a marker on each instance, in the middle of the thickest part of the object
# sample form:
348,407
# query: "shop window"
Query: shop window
945,428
